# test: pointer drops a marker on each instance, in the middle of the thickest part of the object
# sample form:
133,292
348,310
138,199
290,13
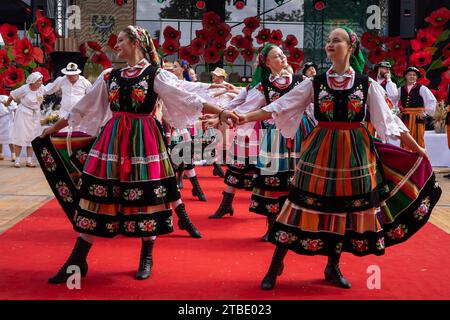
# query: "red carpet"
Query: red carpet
228,263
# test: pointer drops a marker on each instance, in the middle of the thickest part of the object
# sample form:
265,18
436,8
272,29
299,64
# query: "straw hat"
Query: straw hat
71,69
219,72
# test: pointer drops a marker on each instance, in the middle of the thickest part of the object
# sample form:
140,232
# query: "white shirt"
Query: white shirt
391,90
288,110
71,93
30,101
429,100
93,109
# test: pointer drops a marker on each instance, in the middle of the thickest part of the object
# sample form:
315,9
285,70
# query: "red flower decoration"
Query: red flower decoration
422,41
376,55
369,41
112,41
219,45
9,33
43,24
240,42
14,77
400,66
101,59
48,41
4,92
201,34
420,58
4,60
193,59
445,78
251,24
94,45
211,55
138,95
434,30
24,52
197,46
230,54
184,53
439,17
396,47
446,62
296,55
263,36
1,80
170,46
210,20
83,50
326,106
290,42
446,50
171,33
276,37
44,72
247,54
423,81
223,32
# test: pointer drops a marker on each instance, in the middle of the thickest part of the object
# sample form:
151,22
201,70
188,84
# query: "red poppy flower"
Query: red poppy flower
4,92
83,50
171,33
112,41
230,54
422,41
1,80
369,41
201,34
251,24
240,42
197,46
296,55
9,33
44,72
400,66
423,81
420,58
276,37
156,43
211,55
4,60
184,53
445,78
43,24
218,45
247,54
223,32
294,65
48,42
193,59
263,35
376,55
24,52
435,31
396,47
170,46
438,17
290,42
446,50
210,20
13,77
94,45
446,62
138,95
101,59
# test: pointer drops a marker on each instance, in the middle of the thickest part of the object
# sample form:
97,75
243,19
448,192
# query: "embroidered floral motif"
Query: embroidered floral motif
253,204
272,181
81,156
422,211
232,180
64,192
147,225
360,245
247,183
98,191
49,162
112,227
169,222
338,247
133,194
380,244
273,207
139,93
106,76
160,191
398,232
285,237
326,103
129,226
355,103
312,244
86,223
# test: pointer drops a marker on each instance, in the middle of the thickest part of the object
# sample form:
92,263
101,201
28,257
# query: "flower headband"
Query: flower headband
146,43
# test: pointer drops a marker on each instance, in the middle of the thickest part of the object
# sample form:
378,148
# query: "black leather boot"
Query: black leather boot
275,269
180,179
146,260
224,207
334,275
78,258
196,189
270,221
184,223
217,171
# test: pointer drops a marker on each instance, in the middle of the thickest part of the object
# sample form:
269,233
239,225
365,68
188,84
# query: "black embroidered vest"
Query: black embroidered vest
413,99
269,87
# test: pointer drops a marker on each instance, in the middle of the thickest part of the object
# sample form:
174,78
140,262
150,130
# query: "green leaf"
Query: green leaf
443,36
431,50
32,65
30,32
436,64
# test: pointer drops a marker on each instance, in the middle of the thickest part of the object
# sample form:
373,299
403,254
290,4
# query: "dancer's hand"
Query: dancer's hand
229,117
422,152
210,123
242,119
47,131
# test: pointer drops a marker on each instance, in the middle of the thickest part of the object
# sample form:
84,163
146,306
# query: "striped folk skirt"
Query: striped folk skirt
355,195
127,183
277,160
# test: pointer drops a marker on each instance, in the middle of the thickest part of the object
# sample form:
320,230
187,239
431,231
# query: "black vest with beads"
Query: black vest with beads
133,95
413,99
340,105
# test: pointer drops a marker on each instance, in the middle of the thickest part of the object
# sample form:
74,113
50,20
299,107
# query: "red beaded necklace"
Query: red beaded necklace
339,84
131,72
